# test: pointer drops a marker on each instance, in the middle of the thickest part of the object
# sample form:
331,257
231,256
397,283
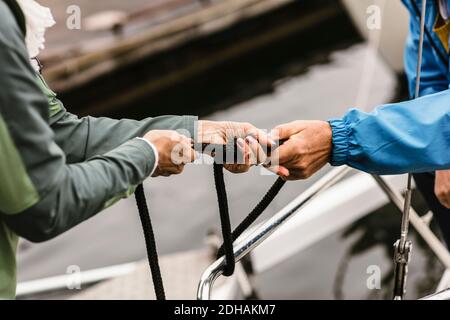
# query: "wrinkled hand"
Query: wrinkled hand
442,187
174,151
250,141
307,149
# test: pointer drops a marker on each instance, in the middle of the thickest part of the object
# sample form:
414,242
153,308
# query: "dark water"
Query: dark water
283,84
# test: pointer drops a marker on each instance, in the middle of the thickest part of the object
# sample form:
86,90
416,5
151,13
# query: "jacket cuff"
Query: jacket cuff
150,154
340,142
155,152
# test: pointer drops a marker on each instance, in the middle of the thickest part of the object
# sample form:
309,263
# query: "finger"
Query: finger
245,150
237,168
212,132
257,154
279,170
176,169
163,173
282,154
188,153
296,175
444,202
182,152
442,196
176,155
193,155
284,131
261,136
156,173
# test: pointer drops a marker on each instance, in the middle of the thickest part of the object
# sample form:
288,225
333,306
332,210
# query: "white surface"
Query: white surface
445,281
62,281
393,31
334,209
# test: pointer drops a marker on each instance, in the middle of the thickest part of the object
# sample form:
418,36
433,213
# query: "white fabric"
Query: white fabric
38,19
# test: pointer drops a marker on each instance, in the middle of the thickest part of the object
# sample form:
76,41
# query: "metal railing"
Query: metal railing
261,233
245,246
418,223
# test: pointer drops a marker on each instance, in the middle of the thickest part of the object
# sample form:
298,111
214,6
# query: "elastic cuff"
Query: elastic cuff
155,153
340,142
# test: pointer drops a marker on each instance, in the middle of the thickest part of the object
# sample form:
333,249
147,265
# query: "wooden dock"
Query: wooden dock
147,50
76,65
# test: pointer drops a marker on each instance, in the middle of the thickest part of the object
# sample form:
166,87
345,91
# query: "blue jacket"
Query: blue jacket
411,136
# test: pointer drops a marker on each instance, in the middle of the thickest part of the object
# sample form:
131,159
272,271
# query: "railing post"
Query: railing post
421,227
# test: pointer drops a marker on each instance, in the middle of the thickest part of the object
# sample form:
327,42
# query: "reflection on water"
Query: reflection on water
381,229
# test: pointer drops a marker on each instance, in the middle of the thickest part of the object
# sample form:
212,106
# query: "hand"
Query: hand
442,187
250,141
174,151
307,149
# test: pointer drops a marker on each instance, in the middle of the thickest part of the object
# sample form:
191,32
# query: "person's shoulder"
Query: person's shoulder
10,33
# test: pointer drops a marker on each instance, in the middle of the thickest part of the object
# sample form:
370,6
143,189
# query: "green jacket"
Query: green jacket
57,170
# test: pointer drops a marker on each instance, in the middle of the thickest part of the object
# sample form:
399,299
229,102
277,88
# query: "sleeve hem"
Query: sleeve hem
155,153
340,142
149,153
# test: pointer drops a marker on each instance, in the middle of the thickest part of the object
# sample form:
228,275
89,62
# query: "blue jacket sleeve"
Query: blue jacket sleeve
411,136
433,71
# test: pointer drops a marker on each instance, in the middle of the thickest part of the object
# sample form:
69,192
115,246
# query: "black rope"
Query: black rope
228,236
255,213
224,220
150,242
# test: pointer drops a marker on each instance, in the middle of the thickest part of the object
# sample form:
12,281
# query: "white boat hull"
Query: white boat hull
390,37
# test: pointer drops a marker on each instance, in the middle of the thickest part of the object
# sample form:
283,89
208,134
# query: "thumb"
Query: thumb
284,131
279,170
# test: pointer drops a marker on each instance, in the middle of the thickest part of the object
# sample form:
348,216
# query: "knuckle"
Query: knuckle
303,175
298,148
241,168
302,166
295,175
308,174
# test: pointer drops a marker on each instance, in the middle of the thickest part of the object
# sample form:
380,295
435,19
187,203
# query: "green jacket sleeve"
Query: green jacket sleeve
83,138
41,195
